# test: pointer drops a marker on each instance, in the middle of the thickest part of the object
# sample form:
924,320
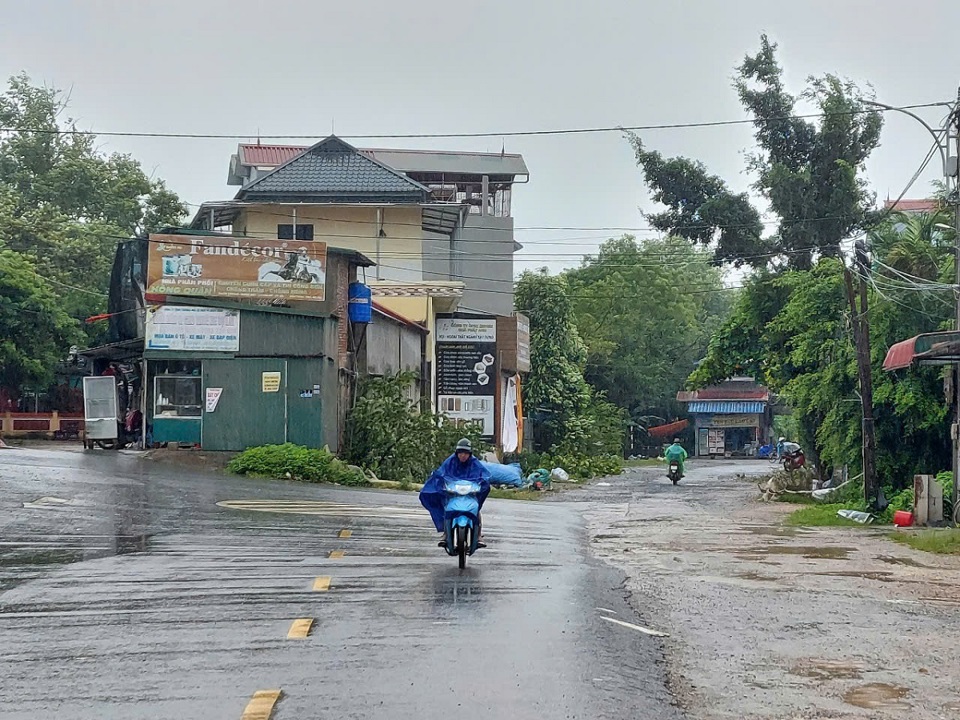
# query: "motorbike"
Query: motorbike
674,472
793,461
461,519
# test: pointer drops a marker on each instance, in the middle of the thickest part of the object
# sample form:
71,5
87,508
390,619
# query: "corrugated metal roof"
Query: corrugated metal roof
432,161
268,155
727,407
334,169
913,206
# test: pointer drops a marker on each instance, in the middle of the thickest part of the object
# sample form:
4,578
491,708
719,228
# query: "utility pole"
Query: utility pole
952,170
861,337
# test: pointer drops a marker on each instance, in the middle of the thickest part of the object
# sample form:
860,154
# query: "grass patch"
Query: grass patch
647,462
945,541
820,516
504,494
792,499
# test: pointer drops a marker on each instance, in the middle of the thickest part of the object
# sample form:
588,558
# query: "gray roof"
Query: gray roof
334,171
496,165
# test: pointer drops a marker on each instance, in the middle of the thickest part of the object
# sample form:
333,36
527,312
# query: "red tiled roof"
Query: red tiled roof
924,206
268,155
719,393
668,429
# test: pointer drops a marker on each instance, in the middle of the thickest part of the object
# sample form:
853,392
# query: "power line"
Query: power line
509,133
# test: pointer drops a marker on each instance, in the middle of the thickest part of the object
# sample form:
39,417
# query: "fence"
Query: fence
52,425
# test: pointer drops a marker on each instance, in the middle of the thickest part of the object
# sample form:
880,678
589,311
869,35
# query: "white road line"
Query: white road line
638,628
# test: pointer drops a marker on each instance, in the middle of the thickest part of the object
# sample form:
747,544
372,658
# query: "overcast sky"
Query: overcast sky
377,66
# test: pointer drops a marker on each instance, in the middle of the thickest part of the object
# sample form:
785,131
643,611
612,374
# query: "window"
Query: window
304,232
177,396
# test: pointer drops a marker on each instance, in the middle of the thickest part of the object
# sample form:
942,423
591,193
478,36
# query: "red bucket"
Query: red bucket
902,518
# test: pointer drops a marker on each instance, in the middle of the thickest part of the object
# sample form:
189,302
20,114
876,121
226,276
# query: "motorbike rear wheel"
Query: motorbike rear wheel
462,547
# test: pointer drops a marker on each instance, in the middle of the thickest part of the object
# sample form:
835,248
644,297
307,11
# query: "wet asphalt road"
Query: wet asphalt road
141,597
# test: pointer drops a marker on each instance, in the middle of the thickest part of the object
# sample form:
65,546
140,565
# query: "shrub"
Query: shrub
399,438
581,467
295,462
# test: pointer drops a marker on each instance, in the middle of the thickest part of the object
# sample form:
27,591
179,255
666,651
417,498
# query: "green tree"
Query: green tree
810,172
646,312
64,204
571,417
33,328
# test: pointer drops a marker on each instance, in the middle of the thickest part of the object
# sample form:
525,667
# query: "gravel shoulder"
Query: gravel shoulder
767,621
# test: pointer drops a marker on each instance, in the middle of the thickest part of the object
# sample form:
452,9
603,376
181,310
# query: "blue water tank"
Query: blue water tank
360,303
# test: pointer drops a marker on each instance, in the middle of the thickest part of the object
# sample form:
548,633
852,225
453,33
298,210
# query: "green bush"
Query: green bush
397,437
581,467
945,479
295,462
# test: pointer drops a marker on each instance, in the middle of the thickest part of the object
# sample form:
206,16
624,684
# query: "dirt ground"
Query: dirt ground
772,622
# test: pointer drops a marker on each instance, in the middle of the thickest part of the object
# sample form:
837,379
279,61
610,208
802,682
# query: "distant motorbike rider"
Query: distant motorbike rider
675,453
786,449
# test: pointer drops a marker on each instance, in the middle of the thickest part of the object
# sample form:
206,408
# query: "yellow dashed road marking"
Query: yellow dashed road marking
300,628
261,705
322,583
346,533
336,554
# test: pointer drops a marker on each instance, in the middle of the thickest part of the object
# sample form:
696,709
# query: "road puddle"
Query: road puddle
891,560
773,531
878,575
811,552
827,670
876,696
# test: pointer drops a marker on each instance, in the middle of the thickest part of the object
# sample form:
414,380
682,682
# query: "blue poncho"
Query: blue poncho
433,495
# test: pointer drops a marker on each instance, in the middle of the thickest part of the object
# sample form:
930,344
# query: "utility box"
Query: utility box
927,500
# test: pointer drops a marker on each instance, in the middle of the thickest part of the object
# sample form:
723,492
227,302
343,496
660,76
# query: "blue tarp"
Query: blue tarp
433,496
510,474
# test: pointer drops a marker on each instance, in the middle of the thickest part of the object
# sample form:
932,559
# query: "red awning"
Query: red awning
939,348
900,355
667,430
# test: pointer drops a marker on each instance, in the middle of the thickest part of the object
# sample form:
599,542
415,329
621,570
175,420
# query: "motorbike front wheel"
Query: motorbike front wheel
462,547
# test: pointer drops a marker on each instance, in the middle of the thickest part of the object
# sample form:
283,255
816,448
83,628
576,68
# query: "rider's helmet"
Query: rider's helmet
782,439
464,444
676,441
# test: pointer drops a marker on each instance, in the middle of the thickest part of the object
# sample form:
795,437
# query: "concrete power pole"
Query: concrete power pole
952,170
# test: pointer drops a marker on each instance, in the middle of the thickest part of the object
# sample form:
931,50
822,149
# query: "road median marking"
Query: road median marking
336,554
322,583
345,533
261,705
638,628
300,628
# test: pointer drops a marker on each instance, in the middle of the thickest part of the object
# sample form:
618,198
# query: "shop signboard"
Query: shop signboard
466,369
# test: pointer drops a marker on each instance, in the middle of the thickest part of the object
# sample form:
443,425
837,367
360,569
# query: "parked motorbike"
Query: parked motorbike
673,472
461,519
793,461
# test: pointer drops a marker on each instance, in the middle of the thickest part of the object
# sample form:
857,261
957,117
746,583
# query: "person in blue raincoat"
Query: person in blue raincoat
462,465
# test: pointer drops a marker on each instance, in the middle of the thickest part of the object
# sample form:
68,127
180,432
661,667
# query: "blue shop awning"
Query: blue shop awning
727,407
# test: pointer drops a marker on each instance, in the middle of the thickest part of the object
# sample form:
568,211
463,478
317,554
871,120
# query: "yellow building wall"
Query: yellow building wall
399,255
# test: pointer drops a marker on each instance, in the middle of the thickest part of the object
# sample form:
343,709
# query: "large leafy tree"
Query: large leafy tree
646,312
64,204
33,328
571,417
810,172
792,330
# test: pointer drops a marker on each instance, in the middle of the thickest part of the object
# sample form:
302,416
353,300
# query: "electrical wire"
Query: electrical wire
510,133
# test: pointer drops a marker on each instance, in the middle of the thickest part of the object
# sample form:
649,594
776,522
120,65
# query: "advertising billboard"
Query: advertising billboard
466,369
236,267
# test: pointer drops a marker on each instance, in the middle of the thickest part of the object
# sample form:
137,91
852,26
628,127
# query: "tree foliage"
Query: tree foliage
64,204
646,312
809,172
572,418
792,331
33,328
